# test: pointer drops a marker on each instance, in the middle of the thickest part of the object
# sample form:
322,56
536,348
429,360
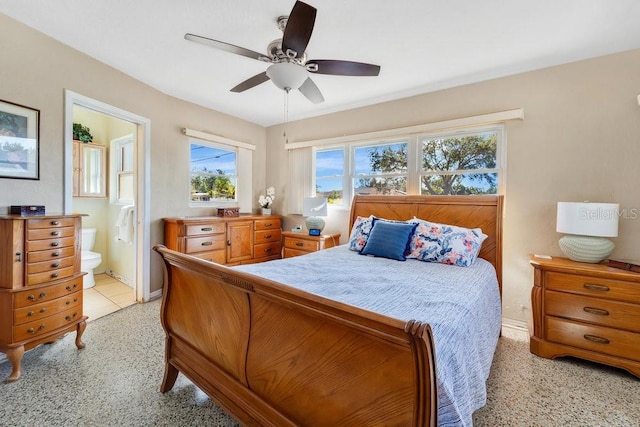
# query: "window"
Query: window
459,164
124,169
453,162
381,169
330,175
213,172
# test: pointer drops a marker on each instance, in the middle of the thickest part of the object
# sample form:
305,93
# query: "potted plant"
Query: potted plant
265,202
82,133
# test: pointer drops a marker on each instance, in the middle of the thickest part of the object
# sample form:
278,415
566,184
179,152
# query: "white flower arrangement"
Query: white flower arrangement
265,202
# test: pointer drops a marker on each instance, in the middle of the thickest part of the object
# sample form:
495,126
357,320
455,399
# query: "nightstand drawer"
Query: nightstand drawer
598,339
593,286
290,253
301,244
594,310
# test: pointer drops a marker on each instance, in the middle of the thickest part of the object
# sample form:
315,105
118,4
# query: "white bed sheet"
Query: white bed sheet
462,305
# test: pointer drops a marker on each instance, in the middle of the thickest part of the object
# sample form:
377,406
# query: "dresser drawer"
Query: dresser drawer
50,233
45,309
202,229
45,244
50,254
266,249
205,244
301,244
593,286
290,253
31,297
599,339
219,257
50,222
50,265
594,310
267,236
267,224
47,276
49,324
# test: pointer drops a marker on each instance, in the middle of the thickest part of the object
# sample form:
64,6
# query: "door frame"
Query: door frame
143,161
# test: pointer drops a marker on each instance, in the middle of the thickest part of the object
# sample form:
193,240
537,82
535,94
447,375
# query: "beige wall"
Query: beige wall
35,70
580,140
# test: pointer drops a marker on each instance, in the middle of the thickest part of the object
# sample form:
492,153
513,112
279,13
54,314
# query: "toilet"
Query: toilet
88,259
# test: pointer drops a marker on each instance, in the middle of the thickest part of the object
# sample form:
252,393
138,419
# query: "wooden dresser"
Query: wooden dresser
296,244
40,283
584,310
244,239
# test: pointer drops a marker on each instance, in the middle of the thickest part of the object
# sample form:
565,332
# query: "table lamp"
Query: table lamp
587,226
314,208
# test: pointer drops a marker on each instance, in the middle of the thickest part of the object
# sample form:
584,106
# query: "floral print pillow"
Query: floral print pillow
446,244
360,233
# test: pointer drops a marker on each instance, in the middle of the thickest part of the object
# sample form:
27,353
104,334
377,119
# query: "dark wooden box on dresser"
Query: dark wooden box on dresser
40,283
590,311
244,239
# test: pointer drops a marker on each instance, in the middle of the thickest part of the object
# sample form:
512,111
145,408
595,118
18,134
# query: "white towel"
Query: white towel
125,224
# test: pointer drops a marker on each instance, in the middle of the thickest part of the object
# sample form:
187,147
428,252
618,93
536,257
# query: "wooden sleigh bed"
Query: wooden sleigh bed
271,354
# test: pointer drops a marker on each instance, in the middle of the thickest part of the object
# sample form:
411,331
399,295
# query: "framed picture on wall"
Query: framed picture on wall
19,141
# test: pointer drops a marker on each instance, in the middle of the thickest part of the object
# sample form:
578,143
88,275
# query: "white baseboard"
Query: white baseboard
155,294
515,324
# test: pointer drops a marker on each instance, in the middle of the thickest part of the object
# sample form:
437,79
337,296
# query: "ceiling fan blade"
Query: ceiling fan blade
343,68
251,82
225,46
311,91
299,28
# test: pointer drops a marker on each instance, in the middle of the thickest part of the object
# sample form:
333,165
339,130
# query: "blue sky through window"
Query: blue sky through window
210,158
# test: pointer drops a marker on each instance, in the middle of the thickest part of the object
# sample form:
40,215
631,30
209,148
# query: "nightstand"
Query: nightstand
301,243
590,311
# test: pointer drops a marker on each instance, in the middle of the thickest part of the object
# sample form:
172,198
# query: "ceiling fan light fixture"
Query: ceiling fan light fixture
287,75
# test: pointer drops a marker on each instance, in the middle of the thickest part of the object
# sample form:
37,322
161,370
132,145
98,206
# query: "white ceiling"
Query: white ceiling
421,45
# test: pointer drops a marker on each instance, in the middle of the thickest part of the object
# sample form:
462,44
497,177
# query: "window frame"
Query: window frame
414,158
118,146
218,146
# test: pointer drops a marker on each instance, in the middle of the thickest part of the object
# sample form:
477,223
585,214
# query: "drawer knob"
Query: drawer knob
55,223
267,249
42,310
598,311
70,288
54,244
206,229
69,318
18,256
42,294
299,244
596,339
31,298
54,275
595,287
55,233
268,236
31,313
207,243
268,225
56,253
55,264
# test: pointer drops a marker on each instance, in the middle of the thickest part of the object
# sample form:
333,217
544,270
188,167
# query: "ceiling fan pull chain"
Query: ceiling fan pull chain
286,115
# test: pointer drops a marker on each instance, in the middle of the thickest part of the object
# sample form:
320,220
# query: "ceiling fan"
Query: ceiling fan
290,67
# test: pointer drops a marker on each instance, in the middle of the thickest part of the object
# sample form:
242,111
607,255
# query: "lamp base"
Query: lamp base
586,248
314,223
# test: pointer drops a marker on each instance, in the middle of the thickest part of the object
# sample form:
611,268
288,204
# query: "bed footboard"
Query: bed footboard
274,355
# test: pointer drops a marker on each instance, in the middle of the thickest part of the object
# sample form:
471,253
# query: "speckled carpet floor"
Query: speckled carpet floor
115,380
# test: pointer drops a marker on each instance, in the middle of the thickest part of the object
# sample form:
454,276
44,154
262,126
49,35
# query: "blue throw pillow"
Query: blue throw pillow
389,239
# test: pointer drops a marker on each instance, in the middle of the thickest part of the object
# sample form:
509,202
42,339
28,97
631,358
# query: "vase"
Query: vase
266,211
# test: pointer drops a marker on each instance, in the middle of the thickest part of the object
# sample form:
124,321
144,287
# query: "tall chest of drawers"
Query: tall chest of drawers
40,283
237,240
589,311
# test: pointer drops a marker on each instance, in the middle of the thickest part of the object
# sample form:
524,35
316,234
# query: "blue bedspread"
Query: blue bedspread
462,305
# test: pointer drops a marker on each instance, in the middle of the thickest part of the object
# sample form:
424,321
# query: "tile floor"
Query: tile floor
107,296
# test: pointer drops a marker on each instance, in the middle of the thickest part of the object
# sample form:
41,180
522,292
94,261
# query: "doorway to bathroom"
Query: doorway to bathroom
105,179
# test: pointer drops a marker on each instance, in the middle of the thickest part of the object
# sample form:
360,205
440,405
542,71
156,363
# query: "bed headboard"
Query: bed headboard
484,212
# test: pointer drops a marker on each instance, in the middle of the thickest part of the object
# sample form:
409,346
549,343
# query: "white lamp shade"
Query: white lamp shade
287,75
588,219
314,206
